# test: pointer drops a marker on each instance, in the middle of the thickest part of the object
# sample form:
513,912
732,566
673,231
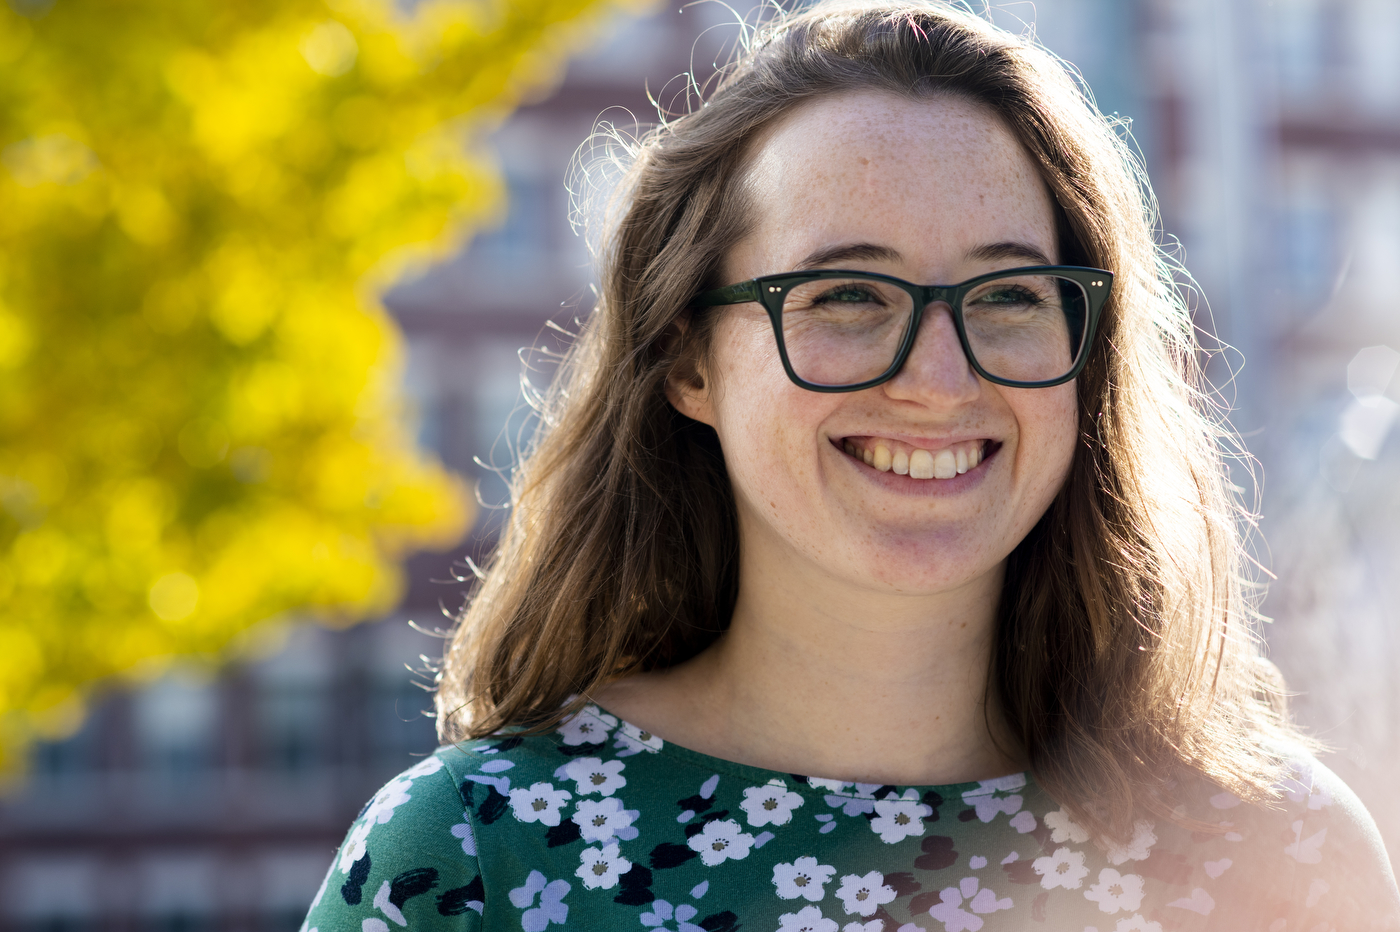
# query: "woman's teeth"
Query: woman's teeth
919,464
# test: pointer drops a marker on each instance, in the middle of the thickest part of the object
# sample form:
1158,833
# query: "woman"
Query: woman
834,600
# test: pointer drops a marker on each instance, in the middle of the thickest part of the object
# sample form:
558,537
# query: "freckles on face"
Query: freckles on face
934,192
839,169
762,418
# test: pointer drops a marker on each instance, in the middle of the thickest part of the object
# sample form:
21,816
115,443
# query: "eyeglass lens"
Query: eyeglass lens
1023,328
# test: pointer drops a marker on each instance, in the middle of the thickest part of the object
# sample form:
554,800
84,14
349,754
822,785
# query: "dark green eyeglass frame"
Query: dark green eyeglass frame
769,290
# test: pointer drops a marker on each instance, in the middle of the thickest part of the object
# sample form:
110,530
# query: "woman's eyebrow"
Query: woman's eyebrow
836,254
988,252
998,252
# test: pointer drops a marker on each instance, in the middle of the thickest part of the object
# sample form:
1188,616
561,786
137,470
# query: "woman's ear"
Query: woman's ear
687,386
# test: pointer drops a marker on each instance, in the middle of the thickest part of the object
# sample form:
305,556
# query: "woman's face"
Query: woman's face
935,192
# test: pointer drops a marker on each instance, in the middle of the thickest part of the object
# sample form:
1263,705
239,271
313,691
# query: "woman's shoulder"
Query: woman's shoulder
1308,795
409,858
1311,850
410,855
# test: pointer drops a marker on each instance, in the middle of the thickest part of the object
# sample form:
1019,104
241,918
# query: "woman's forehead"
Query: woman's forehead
931,178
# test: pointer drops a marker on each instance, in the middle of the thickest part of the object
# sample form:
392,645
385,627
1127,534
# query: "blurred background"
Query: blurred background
210,792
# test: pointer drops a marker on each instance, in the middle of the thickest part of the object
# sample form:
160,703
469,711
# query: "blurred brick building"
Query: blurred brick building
1271,131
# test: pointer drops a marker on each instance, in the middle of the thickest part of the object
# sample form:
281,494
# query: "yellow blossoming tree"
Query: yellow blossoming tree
200,419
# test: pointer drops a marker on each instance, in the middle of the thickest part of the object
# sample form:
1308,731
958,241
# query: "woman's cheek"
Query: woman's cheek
1056,442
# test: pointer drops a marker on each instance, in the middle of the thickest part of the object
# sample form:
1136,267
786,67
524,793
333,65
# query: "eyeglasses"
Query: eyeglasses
841,331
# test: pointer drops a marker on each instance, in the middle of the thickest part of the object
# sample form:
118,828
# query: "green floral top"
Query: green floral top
603,826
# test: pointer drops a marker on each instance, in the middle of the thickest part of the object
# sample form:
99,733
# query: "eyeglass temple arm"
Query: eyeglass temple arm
729,294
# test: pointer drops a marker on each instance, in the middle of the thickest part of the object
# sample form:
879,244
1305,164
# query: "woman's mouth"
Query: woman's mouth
905,459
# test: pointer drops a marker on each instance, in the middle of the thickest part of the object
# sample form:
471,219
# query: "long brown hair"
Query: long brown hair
1125,656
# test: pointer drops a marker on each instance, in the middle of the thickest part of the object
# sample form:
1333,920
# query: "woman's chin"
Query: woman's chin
914,569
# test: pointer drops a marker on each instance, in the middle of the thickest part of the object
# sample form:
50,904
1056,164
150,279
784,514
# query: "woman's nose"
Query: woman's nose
937,370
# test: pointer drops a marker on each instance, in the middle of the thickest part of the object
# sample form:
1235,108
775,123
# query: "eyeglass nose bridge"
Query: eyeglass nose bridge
934,294
926,297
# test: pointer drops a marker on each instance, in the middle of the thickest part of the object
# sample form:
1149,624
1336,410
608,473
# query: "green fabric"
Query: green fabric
602,826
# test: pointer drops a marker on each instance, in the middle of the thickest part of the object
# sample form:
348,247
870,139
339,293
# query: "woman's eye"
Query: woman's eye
848,296
1011,295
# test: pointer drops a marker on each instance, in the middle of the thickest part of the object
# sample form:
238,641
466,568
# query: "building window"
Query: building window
524,233
291,704
58,763
1309,232
176,719
52,894
1304,34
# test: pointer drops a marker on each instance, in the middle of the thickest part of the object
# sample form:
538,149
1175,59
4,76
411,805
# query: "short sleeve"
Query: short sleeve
409,860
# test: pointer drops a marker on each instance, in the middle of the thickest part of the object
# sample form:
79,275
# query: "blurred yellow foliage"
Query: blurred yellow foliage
200,419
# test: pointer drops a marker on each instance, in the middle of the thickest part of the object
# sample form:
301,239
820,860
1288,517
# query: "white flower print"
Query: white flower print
589,726
770,804
424,767
831,786
982,901
552,908
1063,828
874,925
898,817
719,841
463,830
540,803
632,740
804,877
501,784
381,808
392,795
1137,848
592,775
601,819
859,802
807,919
1115,891
1300,786
663,912
354,847
387,906
1215,868
993,796
599,868
949,909
1136,923
866,894
1063,868
1198,902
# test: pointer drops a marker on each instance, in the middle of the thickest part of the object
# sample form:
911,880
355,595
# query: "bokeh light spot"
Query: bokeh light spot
330,49
174,596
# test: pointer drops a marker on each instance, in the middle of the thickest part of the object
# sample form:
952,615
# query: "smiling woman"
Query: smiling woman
877,563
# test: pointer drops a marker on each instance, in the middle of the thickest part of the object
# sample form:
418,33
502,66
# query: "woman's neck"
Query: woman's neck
821,677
